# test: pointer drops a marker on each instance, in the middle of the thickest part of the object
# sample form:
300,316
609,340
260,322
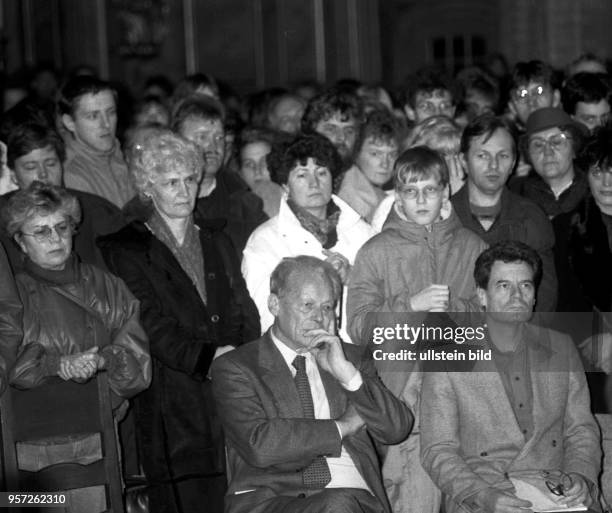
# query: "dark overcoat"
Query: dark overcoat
180,434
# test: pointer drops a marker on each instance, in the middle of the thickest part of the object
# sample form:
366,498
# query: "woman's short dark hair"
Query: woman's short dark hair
507,251
39,199
307,266
419,163
485,125
597,150
304,147
32,136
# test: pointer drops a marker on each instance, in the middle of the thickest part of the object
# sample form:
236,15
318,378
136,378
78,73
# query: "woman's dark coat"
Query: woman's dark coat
180,432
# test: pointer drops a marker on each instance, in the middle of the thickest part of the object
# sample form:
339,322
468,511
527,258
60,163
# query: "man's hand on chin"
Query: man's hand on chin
328,351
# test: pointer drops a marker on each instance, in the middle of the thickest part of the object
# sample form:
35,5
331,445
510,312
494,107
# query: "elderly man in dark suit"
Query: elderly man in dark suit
300,408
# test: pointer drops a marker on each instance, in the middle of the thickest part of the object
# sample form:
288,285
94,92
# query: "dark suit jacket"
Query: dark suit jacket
268,440
184,334
240,210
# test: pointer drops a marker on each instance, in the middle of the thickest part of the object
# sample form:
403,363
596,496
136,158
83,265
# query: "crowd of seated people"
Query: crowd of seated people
225,260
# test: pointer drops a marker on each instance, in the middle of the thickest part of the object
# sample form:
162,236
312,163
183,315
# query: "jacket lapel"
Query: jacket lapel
279,380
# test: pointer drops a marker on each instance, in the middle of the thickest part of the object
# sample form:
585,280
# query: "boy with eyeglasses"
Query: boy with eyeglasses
422,261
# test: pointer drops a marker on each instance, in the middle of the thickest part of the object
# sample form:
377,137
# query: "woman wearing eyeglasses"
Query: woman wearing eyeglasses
551,143
77,319
422,261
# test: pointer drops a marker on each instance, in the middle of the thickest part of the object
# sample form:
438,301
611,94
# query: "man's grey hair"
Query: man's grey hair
308,266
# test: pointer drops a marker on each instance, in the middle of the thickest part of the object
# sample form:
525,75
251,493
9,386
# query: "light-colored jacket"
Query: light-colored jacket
471,439
102,173
283,236
391,267
404,259
360,194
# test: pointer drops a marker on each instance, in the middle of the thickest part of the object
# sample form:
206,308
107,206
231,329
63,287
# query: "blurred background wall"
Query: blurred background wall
262,43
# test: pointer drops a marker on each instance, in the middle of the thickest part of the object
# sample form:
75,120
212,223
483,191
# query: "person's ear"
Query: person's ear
463,162
19,240
273,304
512,109
410,113
68,123
482,297
285,188
13,177
556,98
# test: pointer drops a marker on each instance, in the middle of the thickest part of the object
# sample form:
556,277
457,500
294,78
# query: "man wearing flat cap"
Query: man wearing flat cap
551,142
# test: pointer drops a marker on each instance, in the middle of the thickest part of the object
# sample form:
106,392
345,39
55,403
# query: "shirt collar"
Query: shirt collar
287,353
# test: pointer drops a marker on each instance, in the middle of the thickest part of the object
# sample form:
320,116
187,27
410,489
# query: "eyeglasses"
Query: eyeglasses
598,172
431,108
43,233
429,192
557,482
556,142
523,95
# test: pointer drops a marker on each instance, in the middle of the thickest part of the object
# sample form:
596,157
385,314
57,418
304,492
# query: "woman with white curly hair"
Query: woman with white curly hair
194,306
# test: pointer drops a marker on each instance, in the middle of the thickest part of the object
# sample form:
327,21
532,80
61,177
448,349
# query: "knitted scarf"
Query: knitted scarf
323,230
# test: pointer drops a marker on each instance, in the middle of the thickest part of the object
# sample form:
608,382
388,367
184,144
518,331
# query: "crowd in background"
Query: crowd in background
140,231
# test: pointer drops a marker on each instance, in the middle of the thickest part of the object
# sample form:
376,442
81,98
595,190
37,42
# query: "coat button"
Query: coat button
211,276
214,318
484,453
554,443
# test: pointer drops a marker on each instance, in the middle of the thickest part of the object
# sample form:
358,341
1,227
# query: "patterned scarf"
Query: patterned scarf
189,255
323,230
